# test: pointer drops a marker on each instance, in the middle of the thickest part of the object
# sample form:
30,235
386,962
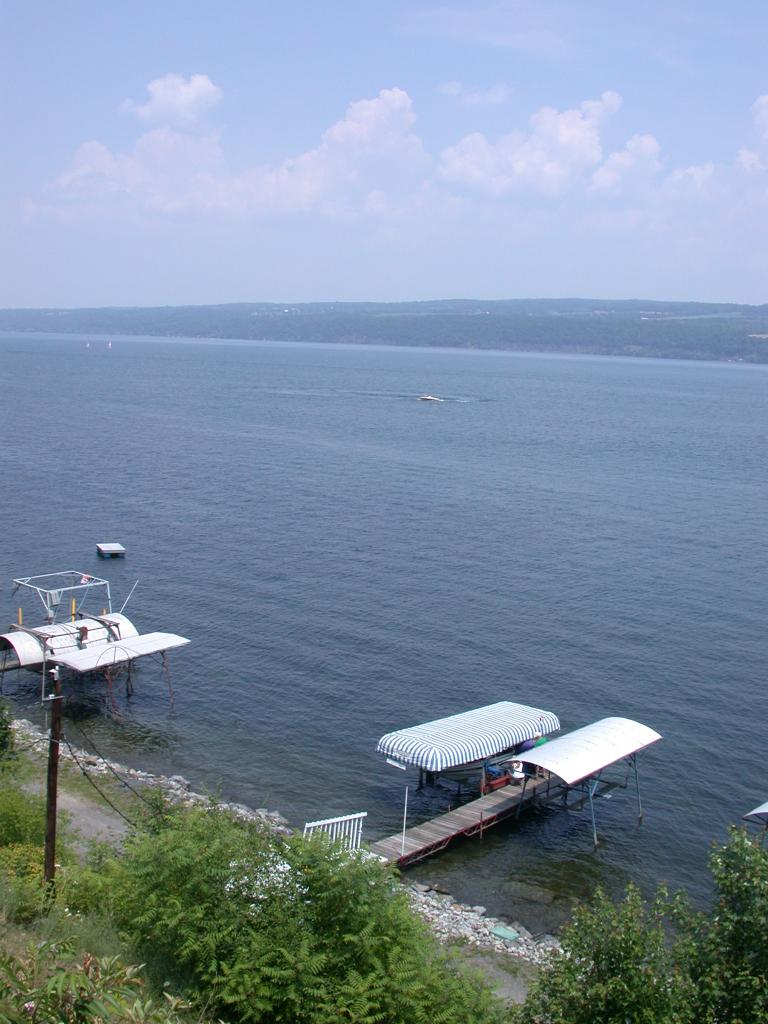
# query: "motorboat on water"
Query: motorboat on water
430,398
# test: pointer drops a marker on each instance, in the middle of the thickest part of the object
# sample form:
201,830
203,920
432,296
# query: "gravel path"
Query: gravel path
92,822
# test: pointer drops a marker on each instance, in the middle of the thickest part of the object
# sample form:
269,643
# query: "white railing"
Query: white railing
347,830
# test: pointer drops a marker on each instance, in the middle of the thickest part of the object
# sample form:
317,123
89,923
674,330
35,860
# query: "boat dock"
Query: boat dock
470,819
506,746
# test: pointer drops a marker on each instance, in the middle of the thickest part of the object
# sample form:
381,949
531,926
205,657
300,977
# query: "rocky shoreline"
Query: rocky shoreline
451,922
454,922
175,788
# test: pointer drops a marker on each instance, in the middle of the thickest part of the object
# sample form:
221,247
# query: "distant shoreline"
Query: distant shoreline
690,331
569,353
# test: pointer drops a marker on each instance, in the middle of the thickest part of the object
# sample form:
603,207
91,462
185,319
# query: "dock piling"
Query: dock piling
405,818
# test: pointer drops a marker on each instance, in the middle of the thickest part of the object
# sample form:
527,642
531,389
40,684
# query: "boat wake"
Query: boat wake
397,396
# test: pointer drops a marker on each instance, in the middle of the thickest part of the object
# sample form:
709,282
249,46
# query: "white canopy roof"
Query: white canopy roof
760,814
470,736
102,655
582,753
45,643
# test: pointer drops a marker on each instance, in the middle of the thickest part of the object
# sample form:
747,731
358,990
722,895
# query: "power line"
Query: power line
101,793
25,750
111,767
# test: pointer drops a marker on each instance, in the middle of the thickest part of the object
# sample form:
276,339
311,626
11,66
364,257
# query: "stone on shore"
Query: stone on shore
454,922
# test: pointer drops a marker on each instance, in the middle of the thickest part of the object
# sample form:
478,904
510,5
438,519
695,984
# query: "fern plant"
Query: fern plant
260,929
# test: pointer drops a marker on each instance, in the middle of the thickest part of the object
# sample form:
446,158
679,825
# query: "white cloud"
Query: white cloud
166,171
492,96
748,160
379,125
452,88
760,114
176,100
558,147
371,150
636,163
366,187
371,164
694,181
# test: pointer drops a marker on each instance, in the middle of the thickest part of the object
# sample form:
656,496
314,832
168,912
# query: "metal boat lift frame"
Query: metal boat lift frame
571,763
91,641
595,786
51,597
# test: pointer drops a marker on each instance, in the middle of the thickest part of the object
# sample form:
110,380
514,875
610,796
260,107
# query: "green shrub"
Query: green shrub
22,817
22,860
81,889
7,746
617,965
730,944
22,900
659,963
44,985
21,881
265,930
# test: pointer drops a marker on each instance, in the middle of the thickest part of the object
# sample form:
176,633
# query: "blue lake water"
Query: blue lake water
586,535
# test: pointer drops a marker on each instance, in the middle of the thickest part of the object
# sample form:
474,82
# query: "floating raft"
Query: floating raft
110,550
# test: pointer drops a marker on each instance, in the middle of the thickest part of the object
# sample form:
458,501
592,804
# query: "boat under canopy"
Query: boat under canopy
471,736
759,814
585,752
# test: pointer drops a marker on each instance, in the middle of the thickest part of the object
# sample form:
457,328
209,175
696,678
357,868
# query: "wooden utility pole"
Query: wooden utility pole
53,781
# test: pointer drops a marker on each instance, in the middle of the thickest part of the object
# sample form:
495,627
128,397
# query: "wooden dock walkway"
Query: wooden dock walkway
470,819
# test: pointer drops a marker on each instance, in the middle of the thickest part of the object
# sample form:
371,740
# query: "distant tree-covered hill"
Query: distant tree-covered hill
675,330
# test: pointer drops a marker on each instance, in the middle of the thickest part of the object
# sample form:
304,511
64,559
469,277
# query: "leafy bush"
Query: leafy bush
265,930
44,985
22,817
662,964
21,891
7,746
617,965
22,860
730,944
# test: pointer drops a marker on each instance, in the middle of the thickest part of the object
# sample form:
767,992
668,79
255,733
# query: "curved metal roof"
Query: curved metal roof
588,750
28,649
54,639
467,737
102,655
760,814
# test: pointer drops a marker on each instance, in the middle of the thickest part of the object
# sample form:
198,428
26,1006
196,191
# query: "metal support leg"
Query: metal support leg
637,786
591,790
590,793
405,819
522,798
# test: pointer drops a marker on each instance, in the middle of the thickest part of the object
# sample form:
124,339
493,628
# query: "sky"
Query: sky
180,152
